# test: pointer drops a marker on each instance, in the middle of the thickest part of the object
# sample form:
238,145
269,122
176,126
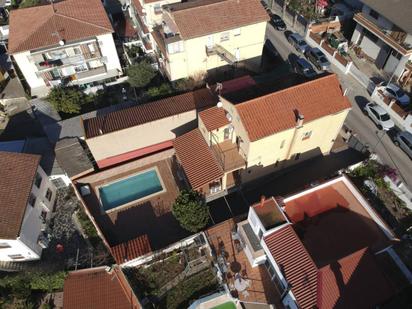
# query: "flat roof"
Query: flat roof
332,222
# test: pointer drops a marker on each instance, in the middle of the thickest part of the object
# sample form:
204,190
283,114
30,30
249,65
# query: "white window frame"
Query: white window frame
237,32
225,36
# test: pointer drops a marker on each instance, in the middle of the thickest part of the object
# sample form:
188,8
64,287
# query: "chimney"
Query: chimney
262,200
299,118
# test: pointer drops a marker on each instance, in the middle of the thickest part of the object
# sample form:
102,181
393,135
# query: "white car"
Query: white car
395,92
379,116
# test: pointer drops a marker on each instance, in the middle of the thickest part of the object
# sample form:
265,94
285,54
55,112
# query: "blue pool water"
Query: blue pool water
129,189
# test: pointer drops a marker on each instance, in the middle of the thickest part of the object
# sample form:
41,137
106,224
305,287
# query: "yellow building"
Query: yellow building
198,36
258,130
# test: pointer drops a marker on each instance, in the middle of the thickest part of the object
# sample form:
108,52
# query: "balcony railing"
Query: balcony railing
222,52
383,34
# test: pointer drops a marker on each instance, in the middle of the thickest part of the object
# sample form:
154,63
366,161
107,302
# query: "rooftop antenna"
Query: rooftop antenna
56,31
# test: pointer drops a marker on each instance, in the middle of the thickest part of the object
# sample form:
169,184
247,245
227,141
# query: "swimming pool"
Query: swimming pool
130,189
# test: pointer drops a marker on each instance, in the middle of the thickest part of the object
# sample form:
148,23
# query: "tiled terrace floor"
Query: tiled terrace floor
151,216
229,155
261,289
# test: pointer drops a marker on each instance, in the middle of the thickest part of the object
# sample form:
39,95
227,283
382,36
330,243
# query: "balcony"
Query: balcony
91,72
385,35
223,53
228,156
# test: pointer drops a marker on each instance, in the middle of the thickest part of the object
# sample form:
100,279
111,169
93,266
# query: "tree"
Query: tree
191,211
67,100
163,90
29,3
140,74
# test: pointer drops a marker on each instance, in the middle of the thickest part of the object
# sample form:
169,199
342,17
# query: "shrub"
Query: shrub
163,90
86,224
191,211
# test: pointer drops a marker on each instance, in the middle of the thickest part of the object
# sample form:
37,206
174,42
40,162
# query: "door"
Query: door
226,134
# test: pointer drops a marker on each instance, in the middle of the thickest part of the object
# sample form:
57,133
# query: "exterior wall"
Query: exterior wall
357,34
108,50
371,48
28,69
215,136
267,155
381,21
27,242
37,84
119,142
194,60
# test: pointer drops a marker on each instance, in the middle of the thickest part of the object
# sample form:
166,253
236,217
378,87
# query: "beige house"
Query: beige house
199,36
258,130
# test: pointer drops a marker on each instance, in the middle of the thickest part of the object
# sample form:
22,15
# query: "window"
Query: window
374,14
37,180
282,144
32,199
297,156
224,37
306,135
175,47
236,32
396,54
4,245
16,256
91,48
215,187
49,194
77,50
407,143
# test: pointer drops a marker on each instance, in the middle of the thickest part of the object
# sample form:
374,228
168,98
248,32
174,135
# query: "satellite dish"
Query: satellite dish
219,104
61,43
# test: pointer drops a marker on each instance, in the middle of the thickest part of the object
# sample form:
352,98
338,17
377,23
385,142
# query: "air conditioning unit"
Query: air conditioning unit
85,190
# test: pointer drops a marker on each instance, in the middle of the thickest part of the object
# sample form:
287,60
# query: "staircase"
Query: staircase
222,52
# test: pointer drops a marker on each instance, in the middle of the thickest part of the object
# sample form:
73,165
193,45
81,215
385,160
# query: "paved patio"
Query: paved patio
151,216
261,289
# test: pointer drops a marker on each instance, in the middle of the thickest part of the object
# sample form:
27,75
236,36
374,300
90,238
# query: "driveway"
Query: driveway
379,142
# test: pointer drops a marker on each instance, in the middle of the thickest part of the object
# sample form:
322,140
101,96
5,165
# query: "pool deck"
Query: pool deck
150,216
262,289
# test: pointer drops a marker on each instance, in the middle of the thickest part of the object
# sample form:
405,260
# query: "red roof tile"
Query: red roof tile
140,114
237,84
17,173
98,288
354,281
275,112
214,118
204,17
297,265
35,27
131,249
196,158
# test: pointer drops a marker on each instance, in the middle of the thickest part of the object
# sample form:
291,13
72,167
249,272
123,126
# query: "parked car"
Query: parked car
317,58
404,141
379,116
278,22
298,42
395,92
304,68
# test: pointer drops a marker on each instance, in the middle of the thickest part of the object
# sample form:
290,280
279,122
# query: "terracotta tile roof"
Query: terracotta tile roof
237,84
196,158
17,173
203,17
35,27
214,118
354,281
297,265
98,288
131,249
148,112
275,112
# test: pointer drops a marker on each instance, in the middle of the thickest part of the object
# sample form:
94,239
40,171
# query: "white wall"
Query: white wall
26,243
108,49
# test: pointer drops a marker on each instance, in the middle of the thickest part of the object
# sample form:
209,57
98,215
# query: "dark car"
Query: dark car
317,58
277,22
303,67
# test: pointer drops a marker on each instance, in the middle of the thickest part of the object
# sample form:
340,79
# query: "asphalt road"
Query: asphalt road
378,141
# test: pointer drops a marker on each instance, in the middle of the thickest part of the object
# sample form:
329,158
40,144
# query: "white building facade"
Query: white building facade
32,239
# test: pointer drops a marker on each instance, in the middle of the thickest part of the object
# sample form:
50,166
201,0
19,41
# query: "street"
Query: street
378,141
